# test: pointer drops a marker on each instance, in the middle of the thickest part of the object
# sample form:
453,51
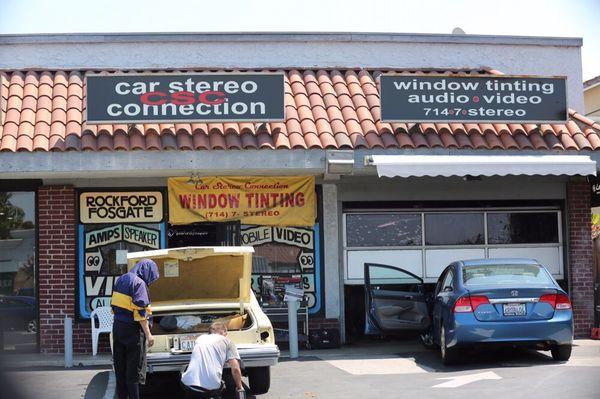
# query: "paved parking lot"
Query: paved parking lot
375,370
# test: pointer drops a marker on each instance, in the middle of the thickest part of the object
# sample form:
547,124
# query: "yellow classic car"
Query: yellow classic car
200,285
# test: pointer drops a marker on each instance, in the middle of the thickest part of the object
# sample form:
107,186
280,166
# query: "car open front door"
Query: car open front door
395,300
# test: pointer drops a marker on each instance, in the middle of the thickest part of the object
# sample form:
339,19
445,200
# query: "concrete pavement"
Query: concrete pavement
373,370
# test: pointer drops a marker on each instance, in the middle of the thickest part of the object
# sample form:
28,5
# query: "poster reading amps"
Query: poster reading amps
110,225
189,97
472,98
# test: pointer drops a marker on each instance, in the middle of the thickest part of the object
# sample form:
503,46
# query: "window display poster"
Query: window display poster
284,256
136,224
101,259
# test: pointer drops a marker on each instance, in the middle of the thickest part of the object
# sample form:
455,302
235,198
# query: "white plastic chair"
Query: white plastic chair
105,323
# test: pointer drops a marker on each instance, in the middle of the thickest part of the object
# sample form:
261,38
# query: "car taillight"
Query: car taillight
549,298
562,302
467,304
557,301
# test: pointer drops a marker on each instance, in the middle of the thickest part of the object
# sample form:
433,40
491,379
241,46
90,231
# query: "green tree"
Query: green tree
11,217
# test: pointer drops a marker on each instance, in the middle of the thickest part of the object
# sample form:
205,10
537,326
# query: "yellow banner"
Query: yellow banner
271,201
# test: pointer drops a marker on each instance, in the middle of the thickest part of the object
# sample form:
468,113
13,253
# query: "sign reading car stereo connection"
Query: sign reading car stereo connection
196,97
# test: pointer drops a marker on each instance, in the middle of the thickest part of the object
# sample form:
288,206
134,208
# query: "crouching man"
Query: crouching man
203,377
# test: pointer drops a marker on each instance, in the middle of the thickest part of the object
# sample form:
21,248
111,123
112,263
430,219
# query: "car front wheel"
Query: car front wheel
449,355
259,379
561,352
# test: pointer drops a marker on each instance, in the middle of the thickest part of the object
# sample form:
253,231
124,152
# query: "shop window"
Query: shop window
283,256
454,229
111,224
522,228
18,309
383,230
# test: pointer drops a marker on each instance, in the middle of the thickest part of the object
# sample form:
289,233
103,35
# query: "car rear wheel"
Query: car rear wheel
561,352
449,355
259,379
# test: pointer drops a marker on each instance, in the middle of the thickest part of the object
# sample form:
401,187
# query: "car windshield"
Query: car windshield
505,275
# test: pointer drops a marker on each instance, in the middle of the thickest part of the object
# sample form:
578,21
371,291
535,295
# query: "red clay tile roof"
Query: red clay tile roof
43,111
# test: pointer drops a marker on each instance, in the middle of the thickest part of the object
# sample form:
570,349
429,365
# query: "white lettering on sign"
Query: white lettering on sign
104,236
99,285
93,261
293,236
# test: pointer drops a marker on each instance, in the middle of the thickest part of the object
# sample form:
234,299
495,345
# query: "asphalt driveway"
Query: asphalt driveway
371,370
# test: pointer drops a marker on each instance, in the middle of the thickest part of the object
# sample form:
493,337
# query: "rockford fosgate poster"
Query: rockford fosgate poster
195,97
443,98
111,224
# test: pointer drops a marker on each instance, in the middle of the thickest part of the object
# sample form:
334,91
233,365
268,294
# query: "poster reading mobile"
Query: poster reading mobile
268,201
468,98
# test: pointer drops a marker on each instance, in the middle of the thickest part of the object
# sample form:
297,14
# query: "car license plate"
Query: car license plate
186,344
514,309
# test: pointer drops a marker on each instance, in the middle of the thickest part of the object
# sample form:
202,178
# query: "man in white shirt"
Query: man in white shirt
211,352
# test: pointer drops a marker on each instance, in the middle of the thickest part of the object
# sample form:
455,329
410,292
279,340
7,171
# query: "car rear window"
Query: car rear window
505,275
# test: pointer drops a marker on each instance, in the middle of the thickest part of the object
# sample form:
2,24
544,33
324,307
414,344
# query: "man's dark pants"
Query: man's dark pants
129,358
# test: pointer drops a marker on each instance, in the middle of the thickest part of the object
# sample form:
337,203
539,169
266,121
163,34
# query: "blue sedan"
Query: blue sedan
513,302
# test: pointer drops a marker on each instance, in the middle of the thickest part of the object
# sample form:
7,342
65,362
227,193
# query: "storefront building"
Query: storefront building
318,189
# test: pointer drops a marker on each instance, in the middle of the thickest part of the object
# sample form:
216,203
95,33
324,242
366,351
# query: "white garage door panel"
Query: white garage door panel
409,260
549,257
437,259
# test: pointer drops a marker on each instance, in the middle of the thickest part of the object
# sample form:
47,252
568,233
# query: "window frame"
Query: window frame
486,246
419,214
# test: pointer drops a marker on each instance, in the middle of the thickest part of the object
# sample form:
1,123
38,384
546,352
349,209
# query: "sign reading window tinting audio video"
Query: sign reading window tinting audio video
199,97
444,98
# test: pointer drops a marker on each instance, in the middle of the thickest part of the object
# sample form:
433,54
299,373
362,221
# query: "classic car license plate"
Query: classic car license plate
514,309
186,344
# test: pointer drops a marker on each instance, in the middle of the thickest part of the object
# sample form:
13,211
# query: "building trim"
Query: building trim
102,164
288,37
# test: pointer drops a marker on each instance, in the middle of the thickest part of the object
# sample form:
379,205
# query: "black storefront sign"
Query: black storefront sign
595,191
466,98
196,97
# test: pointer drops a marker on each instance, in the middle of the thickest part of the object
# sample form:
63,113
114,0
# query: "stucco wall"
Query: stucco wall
511,55
592,102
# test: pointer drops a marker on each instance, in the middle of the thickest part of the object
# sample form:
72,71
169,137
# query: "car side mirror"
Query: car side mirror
448,289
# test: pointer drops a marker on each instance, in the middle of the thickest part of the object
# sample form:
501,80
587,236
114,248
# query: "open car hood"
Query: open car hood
199,276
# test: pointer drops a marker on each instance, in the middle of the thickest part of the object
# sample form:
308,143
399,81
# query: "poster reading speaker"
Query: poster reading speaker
267,201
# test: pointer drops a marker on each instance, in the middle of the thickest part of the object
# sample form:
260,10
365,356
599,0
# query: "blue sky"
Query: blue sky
575,18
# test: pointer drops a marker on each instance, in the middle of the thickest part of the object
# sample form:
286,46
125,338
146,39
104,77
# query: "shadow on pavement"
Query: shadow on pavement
97,386
481,359
167,385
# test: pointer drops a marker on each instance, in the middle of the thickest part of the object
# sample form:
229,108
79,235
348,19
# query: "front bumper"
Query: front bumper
467,331
252,355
